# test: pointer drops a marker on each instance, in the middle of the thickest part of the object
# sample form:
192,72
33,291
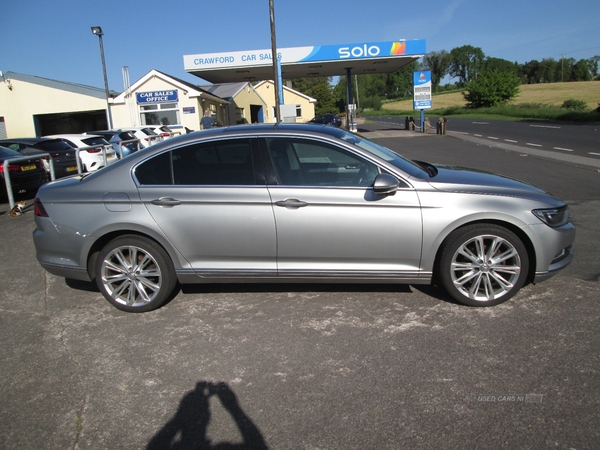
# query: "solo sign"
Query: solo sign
157,96
359,51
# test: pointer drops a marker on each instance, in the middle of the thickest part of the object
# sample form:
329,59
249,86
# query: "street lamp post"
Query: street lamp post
276,62
98,32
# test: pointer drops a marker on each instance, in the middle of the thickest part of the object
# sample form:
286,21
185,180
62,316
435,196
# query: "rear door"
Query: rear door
211,201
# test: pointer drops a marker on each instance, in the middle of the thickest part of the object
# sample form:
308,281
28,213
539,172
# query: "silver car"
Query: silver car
295,203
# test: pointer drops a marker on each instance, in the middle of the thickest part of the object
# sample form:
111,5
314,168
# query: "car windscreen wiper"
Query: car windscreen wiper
431,170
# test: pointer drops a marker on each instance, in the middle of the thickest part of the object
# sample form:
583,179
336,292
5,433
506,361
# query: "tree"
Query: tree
491,88
438,63
548,70
499,64
580,71
593,65
465,63
320,89
529,72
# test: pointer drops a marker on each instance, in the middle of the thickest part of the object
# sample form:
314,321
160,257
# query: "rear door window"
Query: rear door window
218,163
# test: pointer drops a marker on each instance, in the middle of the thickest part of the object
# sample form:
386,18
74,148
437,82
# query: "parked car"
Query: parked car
296,203
124,142
93,150
327,119
162,130
25,176
146,136
63,155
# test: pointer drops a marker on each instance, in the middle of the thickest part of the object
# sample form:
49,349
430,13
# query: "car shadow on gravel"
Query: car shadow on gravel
242,288
214,288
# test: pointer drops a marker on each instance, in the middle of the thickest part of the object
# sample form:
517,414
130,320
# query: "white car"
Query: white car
91,150
145,134
162,130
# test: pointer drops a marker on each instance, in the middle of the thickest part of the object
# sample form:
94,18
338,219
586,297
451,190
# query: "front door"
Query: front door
331,222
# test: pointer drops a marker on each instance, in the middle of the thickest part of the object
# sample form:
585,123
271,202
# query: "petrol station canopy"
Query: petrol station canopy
302,62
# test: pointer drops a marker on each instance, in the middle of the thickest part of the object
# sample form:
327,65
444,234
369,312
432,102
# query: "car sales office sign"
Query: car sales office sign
422,89
157,96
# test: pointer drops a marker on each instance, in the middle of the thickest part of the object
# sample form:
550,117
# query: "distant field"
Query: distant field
552,94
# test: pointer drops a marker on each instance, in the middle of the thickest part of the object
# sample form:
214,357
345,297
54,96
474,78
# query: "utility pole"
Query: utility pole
275,61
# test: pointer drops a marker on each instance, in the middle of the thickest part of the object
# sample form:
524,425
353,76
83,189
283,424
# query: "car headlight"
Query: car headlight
554,217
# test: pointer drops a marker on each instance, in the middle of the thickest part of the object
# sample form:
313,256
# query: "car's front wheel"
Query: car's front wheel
483,264
135,274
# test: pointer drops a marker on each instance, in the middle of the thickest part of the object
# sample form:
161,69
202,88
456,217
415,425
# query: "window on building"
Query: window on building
160,114
298,110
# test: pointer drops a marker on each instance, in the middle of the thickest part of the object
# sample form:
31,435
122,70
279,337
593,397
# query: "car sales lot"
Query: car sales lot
309,366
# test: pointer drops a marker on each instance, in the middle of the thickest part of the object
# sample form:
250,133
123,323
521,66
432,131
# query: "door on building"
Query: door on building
256,114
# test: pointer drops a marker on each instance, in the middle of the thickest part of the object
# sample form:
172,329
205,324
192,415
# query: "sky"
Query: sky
53,39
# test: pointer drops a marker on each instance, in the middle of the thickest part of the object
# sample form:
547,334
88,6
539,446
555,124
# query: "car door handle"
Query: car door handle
291,203
166,201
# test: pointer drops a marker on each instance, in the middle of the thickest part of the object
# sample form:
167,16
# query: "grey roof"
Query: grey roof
192,86
224,90
62,85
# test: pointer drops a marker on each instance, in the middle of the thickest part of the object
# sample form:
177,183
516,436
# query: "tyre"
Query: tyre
483,265
135,274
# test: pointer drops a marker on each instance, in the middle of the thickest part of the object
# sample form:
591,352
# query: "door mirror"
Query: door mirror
385,184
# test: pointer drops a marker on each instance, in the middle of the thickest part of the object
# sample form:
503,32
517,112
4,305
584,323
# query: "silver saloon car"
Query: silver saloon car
295,203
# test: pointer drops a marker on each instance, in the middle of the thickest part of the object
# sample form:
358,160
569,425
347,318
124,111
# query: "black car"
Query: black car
63,155
328,119
25,176
124,142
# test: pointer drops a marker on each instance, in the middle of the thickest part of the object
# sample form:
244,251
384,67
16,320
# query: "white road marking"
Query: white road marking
593,153
544,126
511,140
563,149
492,137
534,145
481,123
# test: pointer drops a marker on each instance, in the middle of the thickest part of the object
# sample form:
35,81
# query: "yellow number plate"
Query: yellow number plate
29,167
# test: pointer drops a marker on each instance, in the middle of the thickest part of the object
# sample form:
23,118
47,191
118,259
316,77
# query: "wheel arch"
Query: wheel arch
522,235
109,236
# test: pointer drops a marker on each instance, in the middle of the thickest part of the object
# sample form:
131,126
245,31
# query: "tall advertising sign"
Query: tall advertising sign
422,89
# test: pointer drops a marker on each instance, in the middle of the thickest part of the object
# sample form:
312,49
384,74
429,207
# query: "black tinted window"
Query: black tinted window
227,162
216,163
94,141
126,136
52,146
156,170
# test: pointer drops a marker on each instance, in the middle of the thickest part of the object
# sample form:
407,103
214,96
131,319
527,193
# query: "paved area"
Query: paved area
306,367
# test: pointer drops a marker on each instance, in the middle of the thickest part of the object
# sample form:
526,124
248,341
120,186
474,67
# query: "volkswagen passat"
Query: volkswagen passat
295,203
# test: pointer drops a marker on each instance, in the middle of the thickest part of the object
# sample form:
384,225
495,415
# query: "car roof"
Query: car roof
274,129
80,136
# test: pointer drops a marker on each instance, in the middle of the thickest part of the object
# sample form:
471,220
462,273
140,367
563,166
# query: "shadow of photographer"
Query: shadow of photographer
187,429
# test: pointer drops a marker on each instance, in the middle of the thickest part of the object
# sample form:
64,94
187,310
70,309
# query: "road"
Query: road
573,139
310,366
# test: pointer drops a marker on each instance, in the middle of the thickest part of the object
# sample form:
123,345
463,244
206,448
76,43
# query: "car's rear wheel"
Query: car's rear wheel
135,274
483,265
